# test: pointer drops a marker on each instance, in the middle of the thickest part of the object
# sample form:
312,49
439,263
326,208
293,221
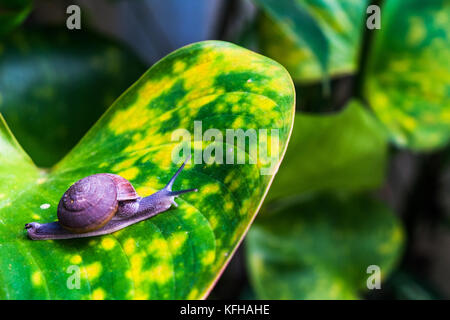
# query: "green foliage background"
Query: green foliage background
319,230
69,108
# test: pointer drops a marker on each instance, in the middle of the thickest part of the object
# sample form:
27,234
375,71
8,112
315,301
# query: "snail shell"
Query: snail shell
93,201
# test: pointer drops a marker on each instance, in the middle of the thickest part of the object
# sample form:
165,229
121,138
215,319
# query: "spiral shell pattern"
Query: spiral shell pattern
88,204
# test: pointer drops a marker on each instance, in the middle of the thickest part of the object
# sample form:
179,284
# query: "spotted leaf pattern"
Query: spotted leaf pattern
180,253
408,77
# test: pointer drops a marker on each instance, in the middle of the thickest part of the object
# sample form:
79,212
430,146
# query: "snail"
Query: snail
102,204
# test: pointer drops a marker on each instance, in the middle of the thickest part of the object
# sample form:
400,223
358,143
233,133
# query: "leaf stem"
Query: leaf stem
366,47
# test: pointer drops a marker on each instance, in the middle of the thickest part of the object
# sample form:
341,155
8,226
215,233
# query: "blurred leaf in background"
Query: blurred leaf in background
408,77
318,234
320,247
180,253
13,13
346,151
330,42
54,84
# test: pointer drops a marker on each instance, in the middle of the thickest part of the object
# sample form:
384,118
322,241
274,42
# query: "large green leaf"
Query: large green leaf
321,247
408,79
13,13
339,24
179,253
345,151
54,84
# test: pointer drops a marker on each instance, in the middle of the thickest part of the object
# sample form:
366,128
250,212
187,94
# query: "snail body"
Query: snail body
102,204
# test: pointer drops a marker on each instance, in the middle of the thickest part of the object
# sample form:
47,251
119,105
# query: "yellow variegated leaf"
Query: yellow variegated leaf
408,78
180,253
